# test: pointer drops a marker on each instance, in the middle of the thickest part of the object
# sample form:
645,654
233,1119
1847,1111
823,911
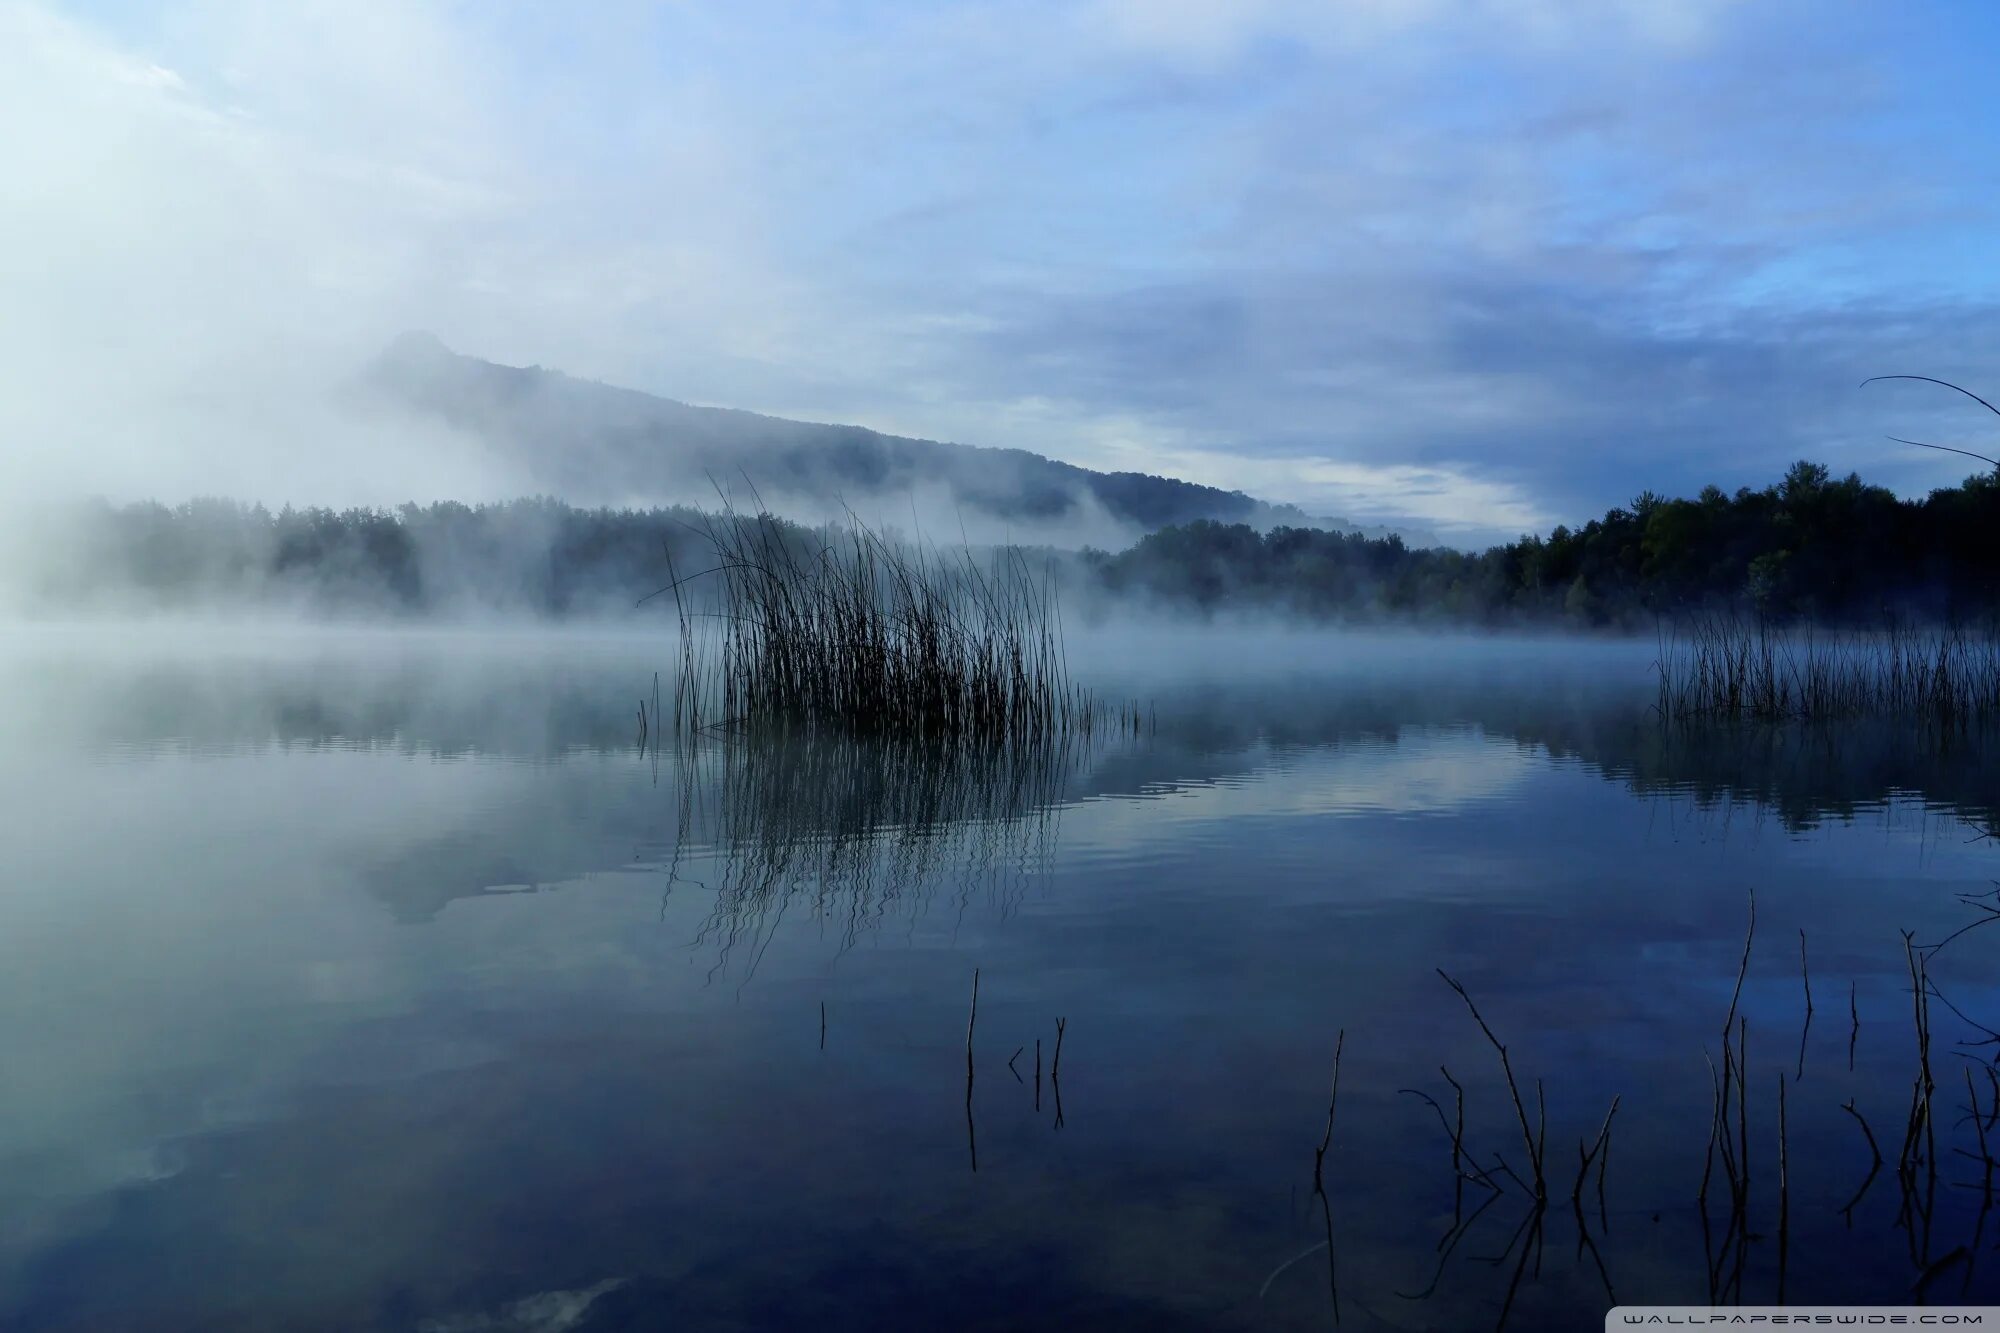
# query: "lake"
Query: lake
364,979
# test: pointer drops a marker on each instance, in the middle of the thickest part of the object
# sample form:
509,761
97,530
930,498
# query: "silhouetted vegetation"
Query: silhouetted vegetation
862,635
1735,672
1810,548
535,556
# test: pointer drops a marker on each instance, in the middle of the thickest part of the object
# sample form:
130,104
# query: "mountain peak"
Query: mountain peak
417,346
592,443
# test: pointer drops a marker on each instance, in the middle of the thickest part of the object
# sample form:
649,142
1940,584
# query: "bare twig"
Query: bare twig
1874,1169
1742,969
1867,1133
1979,1126
1601,1143
1513,1089
1946,449
971,1135
1714,1133
1333,1099
1742,1108
971,1020
1805,973
1854,1031
1926,379
1460,1158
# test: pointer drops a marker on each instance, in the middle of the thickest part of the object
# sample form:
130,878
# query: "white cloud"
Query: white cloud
1431,253
1459,506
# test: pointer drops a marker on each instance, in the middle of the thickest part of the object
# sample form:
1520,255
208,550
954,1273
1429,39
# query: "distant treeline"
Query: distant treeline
536,556
1810,548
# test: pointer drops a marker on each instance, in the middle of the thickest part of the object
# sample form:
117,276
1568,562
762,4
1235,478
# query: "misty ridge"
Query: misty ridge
609,482
630,482
595,444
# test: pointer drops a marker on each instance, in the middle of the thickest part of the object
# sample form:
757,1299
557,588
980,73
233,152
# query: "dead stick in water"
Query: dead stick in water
822,1025
1513,1089
970,1021
1457,1136
1985,1157
1333,1098
1541,1132
1458,1132
1854,1031
1722,1110
1055,1063
1459,1152
1848,1211
1866,1132
1805,1029
1920,1109
1742,968
1930,1087
1805,973
1587,1158
1742,1104
971,1134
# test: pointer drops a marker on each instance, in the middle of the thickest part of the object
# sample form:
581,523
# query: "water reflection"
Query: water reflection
393,981
852,831
538,698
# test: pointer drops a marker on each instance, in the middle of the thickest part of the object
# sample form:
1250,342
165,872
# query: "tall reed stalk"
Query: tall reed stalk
845,630
1728,670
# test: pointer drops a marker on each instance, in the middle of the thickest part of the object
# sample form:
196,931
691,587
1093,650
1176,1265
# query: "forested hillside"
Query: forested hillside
1808,548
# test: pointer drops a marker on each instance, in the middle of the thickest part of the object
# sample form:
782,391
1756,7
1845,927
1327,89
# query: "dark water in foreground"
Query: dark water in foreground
377,982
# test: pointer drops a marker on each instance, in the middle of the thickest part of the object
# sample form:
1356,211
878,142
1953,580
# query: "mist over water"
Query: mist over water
1045,905
387,975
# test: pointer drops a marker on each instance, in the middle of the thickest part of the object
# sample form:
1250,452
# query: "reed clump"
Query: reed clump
1728,670
842,629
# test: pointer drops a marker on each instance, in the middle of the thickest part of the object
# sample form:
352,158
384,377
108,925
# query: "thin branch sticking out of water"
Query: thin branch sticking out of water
1805,1028
1513,1089
1332,1100
1601,1145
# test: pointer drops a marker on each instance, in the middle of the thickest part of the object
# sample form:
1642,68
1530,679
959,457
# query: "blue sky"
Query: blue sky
1485,266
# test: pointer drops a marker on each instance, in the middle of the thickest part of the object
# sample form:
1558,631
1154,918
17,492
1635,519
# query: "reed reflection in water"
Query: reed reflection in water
854,831
406,943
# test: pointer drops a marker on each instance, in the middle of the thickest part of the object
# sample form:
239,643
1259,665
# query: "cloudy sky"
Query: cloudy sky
1485,265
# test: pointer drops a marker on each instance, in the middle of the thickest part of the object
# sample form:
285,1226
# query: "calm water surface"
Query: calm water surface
365,980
